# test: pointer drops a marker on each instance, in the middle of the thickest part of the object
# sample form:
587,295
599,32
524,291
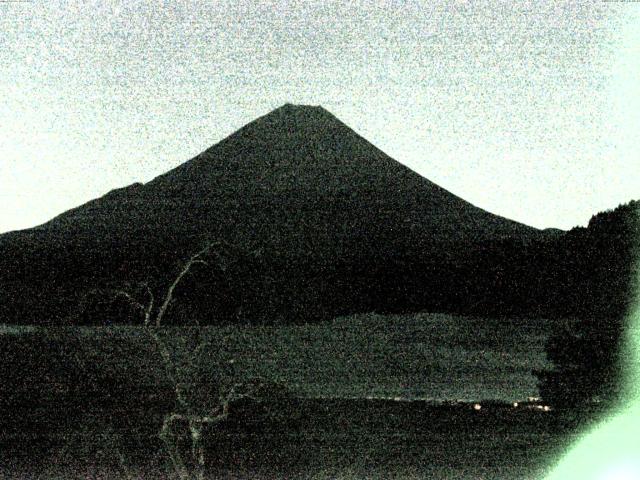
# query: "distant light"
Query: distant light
515,404
477,406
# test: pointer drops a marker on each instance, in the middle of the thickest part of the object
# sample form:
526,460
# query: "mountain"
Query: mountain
296,165
314,221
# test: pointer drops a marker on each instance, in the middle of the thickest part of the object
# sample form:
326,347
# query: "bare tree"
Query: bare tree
196,417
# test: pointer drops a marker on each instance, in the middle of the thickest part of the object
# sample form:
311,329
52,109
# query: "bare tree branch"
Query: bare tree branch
135,303
180,376
169,296
149,309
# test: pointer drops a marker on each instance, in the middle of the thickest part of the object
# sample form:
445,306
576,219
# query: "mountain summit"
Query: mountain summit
339,226
295,162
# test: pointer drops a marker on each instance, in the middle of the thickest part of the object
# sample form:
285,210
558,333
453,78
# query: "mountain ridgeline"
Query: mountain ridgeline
307,220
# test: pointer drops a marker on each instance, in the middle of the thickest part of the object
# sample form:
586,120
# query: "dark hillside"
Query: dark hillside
599,265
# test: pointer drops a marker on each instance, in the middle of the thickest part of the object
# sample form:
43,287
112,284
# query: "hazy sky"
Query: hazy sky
527,109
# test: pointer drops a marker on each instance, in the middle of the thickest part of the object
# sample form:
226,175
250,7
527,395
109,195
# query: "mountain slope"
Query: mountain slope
299,161
338,227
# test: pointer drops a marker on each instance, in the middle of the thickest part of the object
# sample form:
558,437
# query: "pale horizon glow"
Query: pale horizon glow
530,110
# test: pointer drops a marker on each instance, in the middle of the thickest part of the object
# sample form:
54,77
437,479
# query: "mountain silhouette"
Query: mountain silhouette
296,165
314,220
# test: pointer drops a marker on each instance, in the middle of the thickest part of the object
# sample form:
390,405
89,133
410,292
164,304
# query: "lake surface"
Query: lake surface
433,357
423,356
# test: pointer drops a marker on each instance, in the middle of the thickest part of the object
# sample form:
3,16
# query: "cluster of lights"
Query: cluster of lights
530,404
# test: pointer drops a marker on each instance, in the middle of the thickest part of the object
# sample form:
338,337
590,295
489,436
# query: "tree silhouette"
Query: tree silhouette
198,402
586,352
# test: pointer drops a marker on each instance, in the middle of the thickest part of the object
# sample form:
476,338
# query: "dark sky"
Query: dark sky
527,109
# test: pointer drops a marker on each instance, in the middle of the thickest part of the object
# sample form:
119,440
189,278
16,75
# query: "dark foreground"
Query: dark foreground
314,439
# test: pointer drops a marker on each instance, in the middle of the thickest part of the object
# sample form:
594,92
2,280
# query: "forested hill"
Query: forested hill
587,271
599,266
